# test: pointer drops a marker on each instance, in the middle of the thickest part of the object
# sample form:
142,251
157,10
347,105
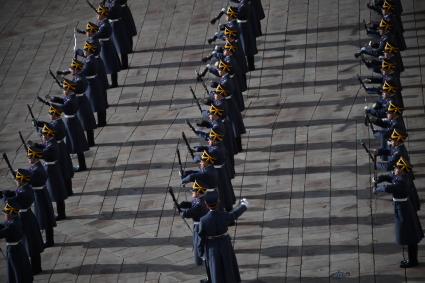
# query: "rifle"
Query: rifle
176,204
214,20
373,158
32,116
361,83
191,127
205,87
43,101
179,159
195,98
56,79
23,141
369,123
188,145
91,6
9,165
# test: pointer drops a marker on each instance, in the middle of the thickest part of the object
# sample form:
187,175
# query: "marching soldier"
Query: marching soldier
206,172
408,227
128,19
396,151
65,160
94,89
195,210
55,184
120,35
43,208
108,51
75,140
24,197
18,265
215,244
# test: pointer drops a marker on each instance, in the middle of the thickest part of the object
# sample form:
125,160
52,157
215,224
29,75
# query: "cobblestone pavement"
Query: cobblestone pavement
312,218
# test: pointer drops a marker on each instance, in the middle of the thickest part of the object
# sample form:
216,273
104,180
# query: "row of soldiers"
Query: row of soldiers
213,197
383,57
70,130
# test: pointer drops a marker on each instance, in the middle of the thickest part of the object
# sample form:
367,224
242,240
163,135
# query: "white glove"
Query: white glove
244,202
208,66
223,10
373,180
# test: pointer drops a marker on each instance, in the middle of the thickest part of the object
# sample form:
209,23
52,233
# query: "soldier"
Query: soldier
94,89
43,208
408,227
65,160
215,244
129,24
120,35
84,112
75,139
50,155
195,210
24,197
108,51
206,172
396,151
18,265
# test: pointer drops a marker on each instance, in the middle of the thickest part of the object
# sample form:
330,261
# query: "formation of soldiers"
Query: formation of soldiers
213,198
385,119
70,130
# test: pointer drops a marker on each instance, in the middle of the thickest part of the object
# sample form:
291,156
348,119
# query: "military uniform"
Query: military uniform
43,208
215,244
55,183
18,265
408,227
195,210
24,197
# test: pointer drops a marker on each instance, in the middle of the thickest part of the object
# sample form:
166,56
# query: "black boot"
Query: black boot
49,237
101,118
60,207
239,143
36,264
68,186
114,80
124,61
412,251
250,61
81,162
90,137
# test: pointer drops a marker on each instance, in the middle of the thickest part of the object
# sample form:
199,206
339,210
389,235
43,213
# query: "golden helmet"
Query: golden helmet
391,49
387,66
230,32
10,208
34,152
198,187
47,131
404,165
214,136
89,47
102,10
223,66
389,88
92,28
55,111
22,175
392,108
229,46
388,6
232,12
385,25
76,64
206,157
69,85
221,91
217,111
398,136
